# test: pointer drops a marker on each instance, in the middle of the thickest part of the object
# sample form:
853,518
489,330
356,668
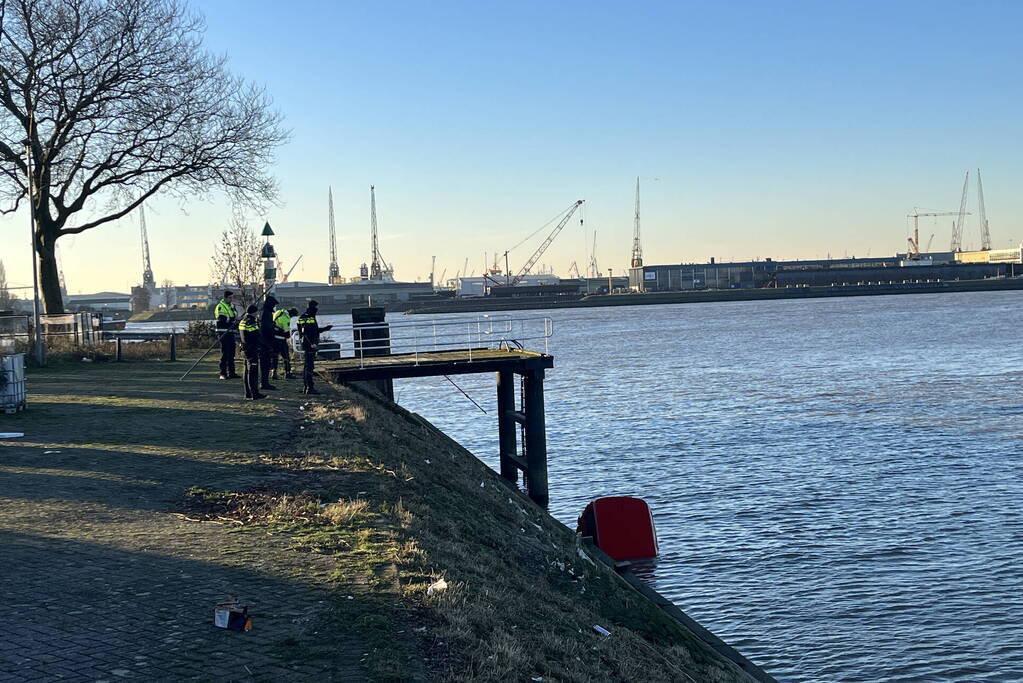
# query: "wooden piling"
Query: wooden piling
506,425
173,346
536,438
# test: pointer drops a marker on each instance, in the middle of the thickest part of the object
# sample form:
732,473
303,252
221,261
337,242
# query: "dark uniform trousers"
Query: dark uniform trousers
227,351
251,371
281,349
308,360
266,358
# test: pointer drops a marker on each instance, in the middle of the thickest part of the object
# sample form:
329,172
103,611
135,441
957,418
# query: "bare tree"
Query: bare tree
6,297
236,263
114,101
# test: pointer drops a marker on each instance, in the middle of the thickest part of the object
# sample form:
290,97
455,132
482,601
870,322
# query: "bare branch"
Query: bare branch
120,102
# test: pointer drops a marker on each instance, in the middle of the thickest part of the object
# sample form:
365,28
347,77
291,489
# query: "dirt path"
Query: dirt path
103,578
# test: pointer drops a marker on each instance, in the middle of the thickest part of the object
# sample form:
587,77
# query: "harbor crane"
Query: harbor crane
531,261
985,234
957,227
334,272
378,268
148,279
637,249
914,241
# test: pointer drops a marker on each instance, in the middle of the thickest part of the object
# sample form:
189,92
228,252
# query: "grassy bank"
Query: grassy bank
349,508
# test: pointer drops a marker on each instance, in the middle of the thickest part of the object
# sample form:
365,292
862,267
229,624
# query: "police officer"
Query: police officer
309,333
266,347
227,320
251,343
282,332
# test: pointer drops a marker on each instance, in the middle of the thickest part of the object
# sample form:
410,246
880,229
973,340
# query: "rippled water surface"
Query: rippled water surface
836,482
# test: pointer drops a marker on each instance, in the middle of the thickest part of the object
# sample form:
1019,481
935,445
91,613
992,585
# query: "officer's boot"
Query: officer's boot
287,368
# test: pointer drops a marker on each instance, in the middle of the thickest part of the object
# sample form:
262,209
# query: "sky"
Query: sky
758,129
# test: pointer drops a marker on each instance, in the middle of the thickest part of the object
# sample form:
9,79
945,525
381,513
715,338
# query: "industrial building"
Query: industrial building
342,298
480,286
991,256
811,273
98,303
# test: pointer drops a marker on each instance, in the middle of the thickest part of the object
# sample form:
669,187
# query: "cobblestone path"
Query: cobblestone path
100,580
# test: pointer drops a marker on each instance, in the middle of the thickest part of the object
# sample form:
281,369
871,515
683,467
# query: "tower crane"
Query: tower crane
914,241
594,268
957,227
531,261
334,272
573,270
637,249
985,234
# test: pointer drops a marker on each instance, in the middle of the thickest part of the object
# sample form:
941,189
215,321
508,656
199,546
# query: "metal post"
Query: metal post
506,425
173,346
39,352
536,438
118,355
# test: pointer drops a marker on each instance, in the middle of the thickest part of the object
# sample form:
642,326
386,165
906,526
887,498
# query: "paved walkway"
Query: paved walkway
102,581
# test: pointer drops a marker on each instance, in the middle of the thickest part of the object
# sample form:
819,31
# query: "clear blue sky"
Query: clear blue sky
782,129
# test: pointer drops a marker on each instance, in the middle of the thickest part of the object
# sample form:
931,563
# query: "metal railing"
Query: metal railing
414,338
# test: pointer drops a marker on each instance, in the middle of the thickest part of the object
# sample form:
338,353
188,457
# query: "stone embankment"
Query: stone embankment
367,545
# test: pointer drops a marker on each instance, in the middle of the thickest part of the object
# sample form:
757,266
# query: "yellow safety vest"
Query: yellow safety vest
225,309
245,326
282,319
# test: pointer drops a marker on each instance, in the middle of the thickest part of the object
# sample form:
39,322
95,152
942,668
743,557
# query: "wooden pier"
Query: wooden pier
529,366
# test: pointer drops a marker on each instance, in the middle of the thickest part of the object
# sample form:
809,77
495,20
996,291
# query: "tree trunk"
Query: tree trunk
49,275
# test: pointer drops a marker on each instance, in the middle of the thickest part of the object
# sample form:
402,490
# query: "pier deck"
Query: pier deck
505,364
434,363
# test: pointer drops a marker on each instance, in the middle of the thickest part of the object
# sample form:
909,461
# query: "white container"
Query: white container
12,385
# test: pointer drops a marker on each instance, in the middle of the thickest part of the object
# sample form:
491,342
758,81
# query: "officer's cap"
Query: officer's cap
227,293
252,308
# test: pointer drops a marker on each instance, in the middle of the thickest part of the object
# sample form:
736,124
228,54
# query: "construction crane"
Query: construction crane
637,249
288,274
148,279
378,268
594,268
914,241
573,270
957,227
985,234
333,272
531,261
433,266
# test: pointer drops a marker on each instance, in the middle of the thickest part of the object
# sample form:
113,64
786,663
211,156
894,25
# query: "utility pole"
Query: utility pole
610,281
637,250
38,336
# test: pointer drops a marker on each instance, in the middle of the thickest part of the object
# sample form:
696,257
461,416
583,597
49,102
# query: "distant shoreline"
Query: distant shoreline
488,304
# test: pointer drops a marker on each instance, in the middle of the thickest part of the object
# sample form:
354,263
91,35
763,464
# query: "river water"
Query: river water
836,483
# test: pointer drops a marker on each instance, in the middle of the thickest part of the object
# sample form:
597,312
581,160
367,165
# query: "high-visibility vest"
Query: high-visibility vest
225,309
245,326
282,319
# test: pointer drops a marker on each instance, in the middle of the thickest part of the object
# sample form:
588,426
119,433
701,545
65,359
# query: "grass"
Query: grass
394,506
